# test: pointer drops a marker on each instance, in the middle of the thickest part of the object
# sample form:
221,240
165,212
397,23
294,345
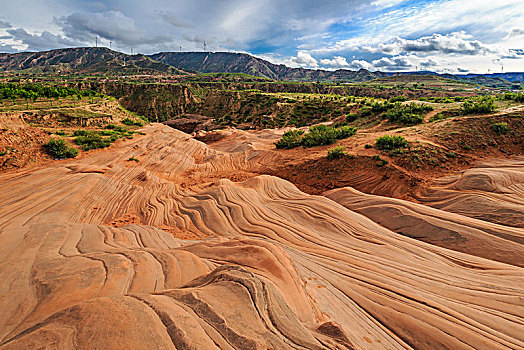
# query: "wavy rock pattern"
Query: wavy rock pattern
493,192
449,230
100,253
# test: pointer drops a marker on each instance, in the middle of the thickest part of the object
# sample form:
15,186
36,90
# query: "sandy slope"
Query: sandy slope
102,252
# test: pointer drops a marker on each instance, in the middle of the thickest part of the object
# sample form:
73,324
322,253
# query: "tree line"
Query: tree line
11,91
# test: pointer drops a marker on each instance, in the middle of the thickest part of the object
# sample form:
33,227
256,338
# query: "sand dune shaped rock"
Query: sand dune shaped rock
449,230
94,259
492,191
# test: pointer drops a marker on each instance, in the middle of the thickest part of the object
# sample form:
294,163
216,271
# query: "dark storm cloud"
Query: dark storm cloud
110,25
43,41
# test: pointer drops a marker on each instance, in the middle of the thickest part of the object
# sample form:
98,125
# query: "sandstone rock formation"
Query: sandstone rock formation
166,252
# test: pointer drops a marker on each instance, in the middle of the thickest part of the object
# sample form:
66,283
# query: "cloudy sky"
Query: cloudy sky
388,35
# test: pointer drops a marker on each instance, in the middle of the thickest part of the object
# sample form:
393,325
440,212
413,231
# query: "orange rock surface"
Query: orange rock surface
165,253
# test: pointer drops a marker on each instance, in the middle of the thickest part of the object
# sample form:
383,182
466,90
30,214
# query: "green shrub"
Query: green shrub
351,117
80,132
380,162
482,105
127,121
365,111
398,99
117,128
60,133
368,146
91,141
387,142
319,135
381,107
500,128
409,114
517,97
344,132
58,149
336,152
437,117
133,159
290,139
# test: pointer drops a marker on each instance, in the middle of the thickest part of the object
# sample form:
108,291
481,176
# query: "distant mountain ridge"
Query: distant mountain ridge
81,60
104,60
218,62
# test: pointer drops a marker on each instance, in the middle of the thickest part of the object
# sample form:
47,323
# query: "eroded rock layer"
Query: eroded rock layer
103,252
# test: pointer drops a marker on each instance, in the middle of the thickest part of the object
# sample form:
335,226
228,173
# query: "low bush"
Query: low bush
116,128
409,114
482,105
128,121
365,111
382,107
318,135
336,152
290,139
398,99
500,128
380,162
387,142
80,132
351,117
344,132
58,149
92,141
517,97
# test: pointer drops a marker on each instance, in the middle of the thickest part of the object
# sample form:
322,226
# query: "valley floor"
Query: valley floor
166,242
